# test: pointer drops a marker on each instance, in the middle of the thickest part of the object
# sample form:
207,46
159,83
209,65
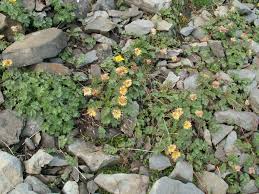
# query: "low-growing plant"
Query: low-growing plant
57,99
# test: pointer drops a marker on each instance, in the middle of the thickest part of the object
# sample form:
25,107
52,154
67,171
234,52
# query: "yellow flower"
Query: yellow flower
123,90
215,84
87,91
12,1
247,102
137,51
122,100
105,77
122,71
174,58
177,113
193,97
127,83
118,58
171,148
91,112
116,113
7,62
199,113
187,125
175,155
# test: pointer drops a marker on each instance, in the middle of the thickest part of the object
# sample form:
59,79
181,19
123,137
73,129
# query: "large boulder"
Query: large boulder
123,183
166,185
10,172
152,6
93,156
36,47
10,127
245,120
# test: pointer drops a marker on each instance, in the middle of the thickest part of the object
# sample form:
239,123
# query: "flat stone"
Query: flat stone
2,21
92,187
212,183
152,6
139,27
183,171
166,185
256,22
191,83
221,11
243,74
71,187
171,79
54,68
36,47
29,4
93,156
254,100
186,31
100,25
221,133
250,187
251,18
217,48
58,161
123,183
230,147
241,7
104,5
22,188
37,161
200,34
10,127
37,186
10,172
207,137
131,12
245,120
103,39
254,46
159,162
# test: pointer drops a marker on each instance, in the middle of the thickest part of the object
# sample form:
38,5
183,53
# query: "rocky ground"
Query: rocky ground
129,97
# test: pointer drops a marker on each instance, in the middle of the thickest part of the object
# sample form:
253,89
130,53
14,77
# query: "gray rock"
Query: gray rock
199,34
29,4
254,100
139,27
10,127
217,48
251,18
90,57
250,187
80,76
183,171
83,7
29,144
92,187
54,68
93,156
103,51
220,153
230,147
186,31
71,187
243,74
171,79
32,127
37,161
221,11
123,183
212,183
36,185
22,188
207,136
131,12
1,97
221,133
159,162
256,22
241,7
58,161
47,141
103,39
224,77
152,6
104,5
10,172
161,25
2,21
166,185
254,46
39,6
191,83
245,120
36,47
100,25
